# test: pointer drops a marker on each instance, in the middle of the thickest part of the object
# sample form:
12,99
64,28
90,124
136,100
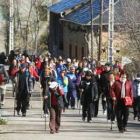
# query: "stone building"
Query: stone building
70,32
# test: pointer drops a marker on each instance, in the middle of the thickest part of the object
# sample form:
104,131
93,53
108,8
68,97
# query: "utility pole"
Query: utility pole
101,29
111,31
11,27
91,1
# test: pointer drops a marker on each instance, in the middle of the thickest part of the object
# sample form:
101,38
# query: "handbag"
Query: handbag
127,101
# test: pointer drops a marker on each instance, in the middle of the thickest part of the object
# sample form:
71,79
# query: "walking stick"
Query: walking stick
45,113
80,101
16,88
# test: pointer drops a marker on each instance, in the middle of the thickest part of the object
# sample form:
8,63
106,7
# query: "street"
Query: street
32,127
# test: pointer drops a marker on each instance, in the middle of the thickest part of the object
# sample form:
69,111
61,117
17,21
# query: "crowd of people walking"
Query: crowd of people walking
65,82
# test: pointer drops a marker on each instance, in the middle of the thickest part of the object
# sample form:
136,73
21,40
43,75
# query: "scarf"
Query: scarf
123,88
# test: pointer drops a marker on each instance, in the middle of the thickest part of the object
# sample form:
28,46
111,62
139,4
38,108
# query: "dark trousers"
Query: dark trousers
122,113
45,106
22,101
110,111
96,107
55,118
87,110
136,107
103,104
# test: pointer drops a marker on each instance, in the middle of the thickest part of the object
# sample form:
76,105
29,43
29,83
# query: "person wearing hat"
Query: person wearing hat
89,95
136,99
55,104
24,87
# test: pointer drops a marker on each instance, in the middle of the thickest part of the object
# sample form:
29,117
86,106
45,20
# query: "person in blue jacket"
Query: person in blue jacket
63,81
60,67
72,94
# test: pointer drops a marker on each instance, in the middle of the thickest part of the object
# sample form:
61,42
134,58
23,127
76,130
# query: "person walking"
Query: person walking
63,81
4,79
110,112
136,101
55,106
46,80
103,81
89,96
72,94
24,88
119,91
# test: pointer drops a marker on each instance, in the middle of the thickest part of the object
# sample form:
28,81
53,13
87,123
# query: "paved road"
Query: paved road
72,127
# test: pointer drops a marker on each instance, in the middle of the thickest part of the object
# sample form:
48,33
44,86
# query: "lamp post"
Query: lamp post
91,2
11,27
111,31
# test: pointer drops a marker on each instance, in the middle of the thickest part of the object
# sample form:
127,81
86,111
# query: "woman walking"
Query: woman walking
120,90
55,106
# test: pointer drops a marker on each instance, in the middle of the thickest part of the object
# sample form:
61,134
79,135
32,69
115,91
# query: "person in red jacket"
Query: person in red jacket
119,90
38,63
33,73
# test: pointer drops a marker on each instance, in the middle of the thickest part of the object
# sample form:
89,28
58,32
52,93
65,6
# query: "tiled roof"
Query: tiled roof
82,15
64,5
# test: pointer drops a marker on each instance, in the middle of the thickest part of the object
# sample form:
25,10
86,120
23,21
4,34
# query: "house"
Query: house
70,27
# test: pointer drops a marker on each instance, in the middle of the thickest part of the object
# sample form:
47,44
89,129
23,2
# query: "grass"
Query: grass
3,122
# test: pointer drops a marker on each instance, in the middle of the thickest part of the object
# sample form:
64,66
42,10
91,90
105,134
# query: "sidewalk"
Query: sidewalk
32,127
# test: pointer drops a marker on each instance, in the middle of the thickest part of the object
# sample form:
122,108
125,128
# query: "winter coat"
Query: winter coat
29,84
72,78
103,80
63,83
135,87
4,75
45,85
90,92
59,99
115,90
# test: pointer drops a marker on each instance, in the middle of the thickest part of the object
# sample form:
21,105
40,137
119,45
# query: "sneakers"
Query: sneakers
73,107
46,115
1,106
24,114
108,121
90,121
113,122
104,112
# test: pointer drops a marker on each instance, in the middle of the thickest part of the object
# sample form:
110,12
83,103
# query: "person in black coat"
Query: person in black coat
89,95
103,81
24,87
